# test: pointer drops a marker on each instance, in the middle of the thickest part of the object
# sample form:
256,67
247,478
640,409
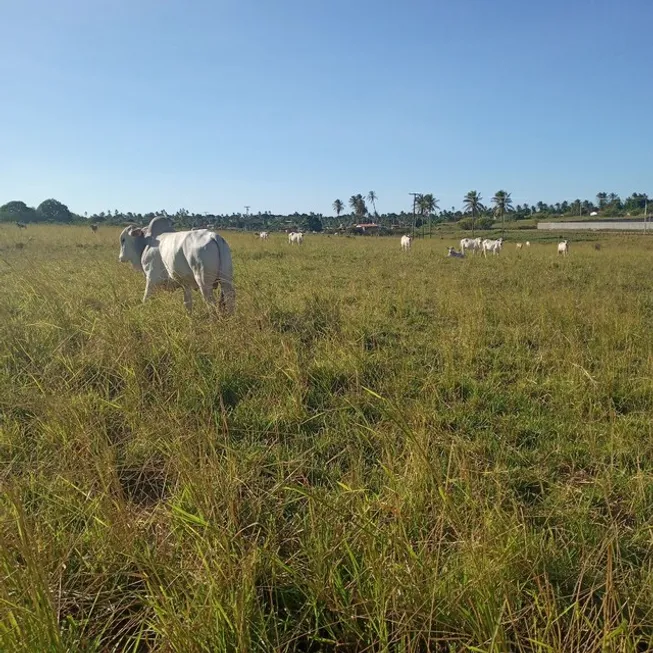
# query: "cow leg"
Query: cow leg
227,297
188,299
148,290
207,293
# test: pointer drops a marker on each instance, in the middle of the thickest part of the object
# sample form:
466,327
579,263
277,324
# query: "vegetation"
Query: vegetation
402,453
608,204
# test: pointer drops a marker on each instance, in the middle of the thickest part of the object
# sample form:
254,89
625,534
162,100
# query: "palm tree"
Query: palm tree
427,204
601,198
357,204
371,198
472,202
614,198
503,203
338,207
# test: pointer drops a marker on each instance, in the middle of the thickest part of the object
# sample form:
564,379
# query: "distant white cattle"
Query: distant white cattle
264,235
190,259
93,228
563,247
528,244
295,237
406,242
471,243
452,253
519,245
493,246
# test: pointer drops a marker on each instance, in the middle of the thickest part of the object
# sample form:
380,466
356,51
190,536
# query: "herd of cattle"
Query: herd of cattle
201,259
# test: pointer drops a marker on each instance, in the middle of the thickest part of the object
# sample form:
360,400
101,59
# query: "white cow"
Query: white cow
528,244
470,243
406,242
563,247
452,253
493,246
190,259
295,237
264,235
519,245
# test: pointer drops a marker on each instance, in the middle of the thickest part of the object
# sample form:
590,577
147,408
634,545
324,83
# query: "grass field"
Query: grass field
377,452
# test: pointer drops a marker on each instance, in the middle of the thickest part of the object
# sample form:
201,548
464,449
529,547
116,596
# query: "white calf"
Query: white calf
406,242
295,237
528,244
563,247
519,245
264,235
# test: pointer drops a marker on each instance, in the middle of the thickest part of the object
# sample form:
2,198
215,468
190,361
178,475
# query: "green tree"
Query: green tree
601,199
472,203
17,211
502,204
358,206
313,222
54,211
338,207
371,198
427,204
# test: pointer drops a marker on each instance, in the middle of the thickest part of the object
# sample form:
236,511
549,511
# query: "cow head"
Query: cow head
132,244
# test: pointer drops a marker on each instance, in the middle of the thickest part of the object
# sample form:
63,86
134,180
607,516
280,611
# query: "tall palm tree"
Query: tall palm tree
502,203
613,198
357,204
427,204
472,202
371,198
601,198
338,207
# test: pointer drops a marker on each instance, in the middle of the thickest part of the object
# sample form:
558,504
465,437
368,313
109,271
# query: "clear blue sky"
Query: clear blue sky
287,104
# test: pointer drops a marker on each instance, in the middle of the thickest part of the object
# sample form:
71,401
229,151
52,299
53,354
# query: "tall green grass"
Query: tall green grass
379,451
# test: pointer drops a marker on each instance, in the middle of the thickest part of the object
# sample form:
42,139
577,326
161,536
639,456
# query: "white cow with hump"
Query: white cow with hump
470,243
295,237
190,259
493,246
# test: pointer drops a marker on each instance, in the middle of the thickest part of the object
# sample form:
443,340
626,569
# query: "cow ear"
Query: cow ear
137,232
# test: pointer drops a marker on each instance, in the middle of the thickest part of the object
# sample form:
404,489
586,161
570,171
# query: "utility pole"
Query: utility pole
247,211
415,196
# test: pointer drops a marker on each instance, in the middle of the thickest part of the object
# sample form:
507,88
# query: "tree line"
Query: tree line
424,209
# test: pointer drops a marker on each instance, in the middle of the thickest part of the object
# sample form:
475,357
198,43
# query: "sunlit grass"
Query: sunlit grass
384,450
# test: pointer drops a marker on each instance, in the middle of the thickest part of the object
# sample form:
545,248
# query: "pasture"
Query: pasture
381,450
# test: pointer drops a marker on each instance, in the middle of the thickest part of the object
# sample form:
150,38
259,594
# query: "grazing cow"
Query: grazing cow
493,246
452,253
528,243
563,247
93,228
190,259
295,237
406,242
264,235
470,243
20,225
519,245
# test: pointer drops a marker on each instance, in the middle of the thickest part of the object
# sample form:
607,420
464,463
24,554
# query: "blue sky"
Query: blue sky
285,105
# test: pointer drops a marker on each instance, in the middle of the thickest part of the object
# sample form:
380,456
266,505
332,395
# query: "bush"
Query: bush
483,224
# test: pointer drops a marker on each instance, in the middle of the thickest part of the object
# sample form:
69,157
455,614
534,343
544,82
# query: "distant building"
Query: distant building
367,225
